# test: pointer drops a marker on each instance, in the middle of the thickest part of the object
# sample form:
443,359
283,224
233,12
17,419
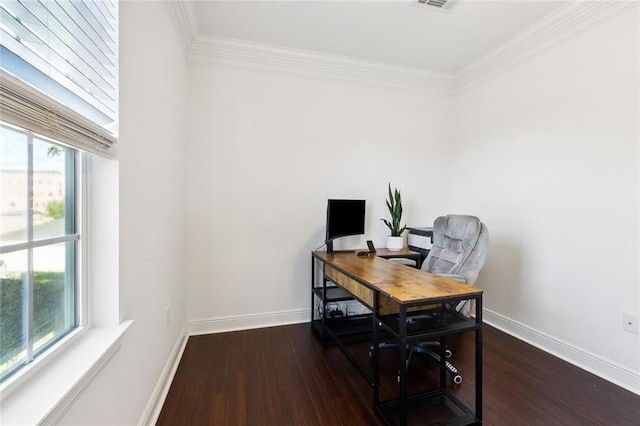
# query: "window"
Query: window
38,247
58,103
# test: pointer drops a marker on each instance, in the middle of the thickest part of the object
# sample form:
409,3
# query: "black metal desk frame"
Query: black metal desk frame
396,325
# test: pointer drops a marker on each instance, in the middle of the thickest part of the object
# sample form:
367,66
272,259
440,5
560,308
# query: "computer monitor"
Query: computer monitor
344,217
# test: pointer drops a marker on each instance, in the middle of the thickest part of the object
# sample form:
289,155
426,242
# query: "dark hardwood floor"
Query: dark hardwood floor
287,376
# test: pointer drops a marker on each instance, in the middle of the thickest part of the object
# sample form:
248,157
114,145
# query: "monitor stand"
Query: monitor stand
330,248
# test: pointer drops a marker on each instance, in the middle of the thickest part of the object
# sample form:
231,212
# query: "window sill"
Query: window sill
48,388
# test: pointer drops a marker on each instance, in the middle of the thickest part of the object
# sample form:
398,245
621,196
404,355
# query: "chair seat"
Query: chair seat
404,261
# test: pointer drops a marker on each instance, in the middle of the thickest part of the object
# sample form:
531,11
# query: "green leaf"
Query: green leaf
394,205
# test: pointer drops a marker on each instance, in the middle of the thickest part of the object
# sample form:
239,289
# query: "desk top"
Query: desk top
403,284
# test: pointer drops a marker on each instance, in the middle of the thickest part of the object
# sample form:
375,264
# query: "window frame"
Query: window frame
78,259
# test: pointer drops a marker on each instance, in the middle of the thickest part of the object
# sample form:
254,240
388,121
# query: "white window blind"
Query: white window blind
67,51
25,107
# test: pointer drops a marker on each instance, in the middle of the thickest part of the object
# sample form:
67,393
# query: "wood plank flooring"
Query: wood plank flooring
287,376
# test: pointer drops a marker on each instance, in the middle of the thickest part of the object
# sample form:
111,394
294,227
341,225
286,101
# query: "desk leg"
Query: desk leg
402,350
443,365
375,352
479,358
313,284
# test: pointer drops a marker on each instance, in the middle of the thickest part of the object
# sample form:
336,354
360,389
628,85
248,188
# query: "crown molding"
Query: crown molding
264,57
561,25
286,60
566,22
182,15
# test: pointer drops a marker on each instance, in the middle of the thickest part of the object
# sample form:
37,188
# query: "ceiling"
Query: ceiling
401,32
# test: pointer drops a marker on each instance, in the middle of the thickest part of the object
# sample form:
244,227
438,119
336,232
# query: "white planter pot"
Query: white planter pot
395,243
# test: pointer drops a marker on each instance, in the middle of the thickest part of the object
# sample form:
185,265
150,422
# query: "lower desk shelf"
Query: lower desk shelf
433,408
434,322
334,294
344,326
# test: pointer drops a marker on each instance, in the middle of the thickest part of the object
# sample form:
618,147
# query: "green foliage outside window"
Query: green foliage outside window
48,309
55,209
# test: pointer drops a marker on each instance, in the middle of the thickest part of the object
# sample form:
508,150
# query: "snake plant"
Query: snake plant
394,204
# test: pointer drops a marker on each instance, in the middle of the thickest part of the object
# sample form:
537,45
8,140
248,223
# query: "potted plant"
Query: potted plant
394,204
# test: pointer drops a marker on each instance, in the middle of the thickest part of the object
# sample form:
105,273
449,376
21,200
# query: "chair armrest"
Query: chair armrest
458,278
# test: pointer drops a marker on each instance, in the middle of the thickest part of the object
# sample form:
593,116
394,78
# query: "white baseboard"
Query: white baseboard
247,322
154,406
606,369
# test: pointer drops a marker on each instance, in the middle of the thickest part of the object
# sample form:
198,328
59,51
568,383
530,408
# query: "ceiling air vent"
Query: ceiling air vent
440,4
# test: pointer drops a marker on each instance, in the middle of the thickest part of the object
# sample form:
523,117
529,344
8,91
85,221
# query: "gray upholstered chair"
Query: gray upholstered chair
459,252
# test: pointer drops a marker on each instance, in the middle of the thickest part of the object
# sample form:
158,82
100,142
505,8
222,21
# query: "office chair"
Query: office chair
459,252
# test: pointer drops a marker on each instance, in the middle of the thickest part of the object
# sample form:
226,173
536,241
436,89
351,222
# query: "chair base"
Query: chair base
422,348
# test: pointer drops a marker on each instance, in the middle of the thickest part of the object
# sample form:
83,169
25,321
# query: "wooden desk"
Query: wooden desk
390,291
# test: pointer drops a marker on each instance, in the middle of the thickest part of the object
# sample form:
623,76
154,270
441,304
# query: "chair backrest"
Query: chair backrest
459,247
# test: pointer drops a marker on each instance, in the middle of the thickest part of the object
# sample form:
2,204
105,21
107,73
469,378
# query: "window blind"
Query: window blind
67,51
25,107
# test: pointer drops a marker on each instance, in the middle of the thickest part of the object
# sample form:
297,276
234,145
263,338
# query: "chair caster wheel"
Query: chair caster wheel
457,379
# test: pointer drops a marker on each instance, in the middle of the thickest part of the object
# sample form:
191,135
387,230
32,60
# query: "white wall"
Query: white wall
545,153
547,156
266,151
152,217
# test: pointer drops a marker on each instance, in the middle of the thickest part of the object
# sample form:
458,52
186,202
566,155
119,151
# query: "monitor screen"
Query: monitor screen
344,217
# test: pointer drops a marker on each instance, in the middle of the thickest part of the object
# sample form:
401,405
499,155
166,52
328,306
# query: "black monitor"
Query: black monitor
344,217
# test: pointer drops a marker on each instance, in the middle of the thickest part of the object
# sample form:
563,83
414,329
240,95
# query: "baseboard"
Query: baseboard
606,369
154,406
247,322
